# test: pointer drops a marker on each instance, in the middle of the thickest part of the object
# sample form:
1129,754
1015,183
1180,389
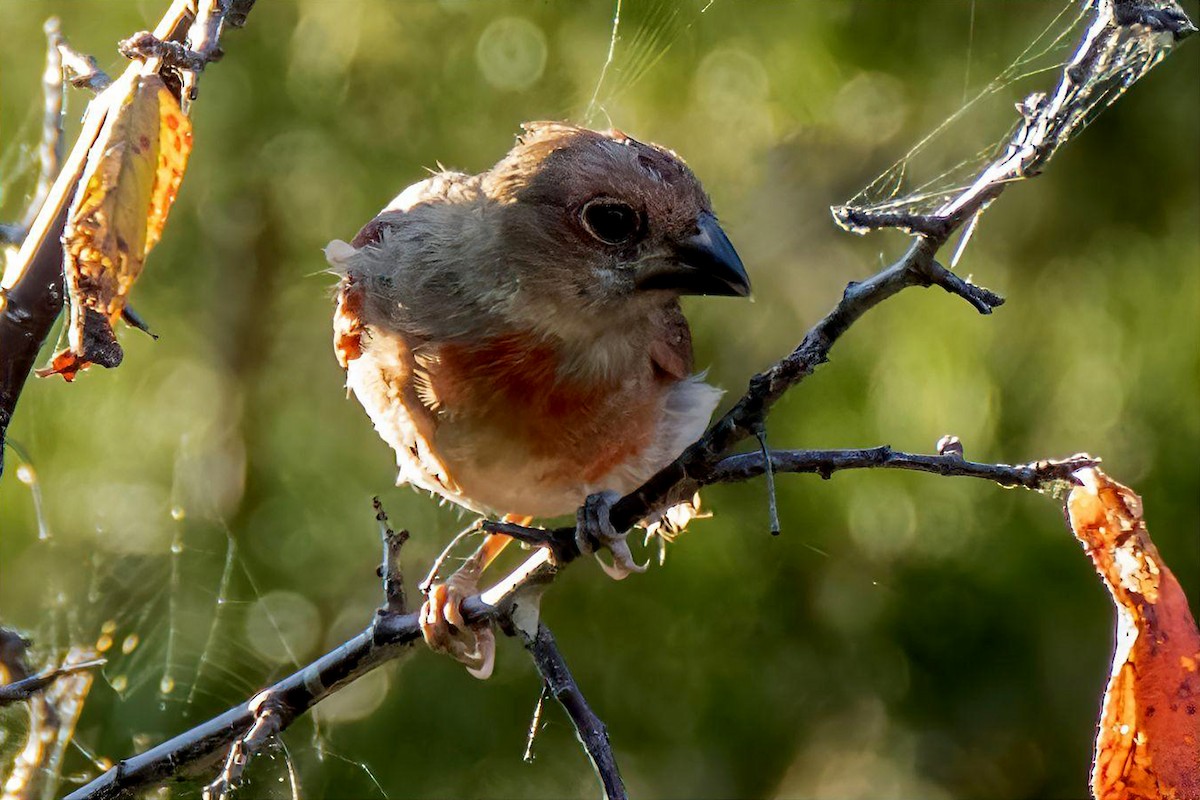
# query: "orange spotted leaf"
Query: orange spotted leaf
129,182
1148,742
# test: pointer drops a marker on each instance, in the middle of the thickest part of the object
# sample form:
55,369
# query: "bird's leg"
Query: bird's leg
593,526
441,619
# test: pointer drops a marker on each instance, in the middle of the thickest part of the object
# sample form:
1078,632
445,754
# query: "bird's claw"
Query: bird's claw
446,631
592,522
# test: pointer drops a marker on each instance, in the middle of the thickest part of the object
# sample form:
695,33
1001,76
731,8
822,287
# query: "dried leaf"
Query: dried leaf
1148,744
130,180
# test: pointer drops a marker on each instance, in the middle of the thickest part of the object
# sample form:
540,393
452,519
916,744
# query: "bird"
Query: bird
516,336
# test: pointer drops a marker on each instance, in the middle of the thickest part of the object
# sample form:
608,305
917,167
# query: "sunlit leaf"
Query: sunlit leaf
1148,743
130,180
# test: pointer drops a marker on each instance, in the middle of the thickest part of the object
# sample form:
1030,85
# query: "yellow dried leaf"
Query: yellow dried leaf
1148,742
129,182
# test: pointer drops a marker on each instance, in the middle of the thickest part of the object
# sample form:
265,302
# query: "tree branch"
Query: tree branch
591,730
192,752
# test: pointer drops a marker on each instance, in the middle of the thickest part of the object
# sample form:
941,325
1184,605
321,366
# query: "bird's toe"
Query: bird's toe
594,528
446,631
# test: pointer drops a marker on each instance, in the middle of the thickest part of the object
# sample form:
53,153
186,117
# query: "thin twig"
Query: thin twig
394,601
537,537
270,717
1048,121
144,45
55,699
769,472
204,39
21,690
535,723
440,561
591,730
82,70
681,478
50,151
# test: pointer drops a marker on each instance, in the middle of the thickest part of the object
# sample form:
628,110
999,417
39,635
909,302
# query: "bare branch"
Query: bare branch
535,724
144,46
591,730
55,698
1038,475
769,472
191,752
538,537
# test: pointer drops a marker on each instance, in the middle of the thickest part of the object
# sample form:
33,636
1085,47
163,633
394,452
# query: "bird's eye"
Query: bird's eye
611,221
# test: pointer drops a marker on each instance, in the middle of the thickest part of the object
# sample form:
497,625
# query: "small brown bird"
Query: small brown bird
516,335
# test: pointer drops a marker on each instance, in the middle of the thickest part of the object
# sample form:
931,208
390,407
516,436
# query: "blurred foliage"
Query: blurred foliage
906,636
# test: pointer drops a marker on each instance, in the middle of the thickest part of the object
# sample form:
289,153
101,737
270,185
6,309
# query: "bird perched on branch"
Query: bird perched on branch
516,335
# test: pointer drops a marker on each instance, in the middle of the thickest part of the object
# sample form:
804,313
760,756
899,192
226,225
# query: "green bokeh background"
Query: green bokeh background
907,636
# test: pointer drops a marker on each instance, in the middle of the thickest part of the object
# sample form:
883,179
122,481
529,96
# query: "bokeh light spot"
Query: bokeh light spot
283,626
730,81
511,53
870,108
356,701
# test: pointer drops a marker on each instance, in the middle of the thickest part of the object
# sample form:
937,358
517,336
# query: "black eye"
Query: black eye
611,221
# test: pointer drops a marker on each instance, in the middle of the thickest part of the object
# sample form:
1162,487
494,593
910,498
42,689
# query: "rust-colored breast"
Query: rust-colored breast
512,385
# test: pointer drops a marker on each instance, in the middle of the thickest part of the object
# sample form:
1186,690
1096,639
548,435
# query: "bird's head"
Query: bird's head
597,220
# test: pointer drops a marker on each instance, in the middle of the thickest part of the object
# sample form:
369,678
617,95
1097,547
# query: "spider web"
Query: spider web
1080,63
185,633
642,33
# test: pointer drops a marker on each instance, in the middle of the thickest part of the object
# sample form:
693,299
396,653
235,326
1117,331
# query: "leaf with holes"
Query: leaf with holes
129,182
1148,743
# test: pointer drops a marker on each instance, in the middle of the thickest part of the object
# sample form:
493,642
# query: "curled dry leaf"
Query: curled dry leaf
129,182
1148,743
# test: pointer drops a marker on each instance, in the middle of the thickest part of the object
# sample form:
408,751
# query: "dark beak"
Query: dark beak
703,263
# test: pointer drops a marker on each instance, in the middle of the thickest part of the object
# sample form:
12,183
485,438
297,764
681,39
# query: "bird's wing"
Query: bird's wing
413,260
383,372
386,302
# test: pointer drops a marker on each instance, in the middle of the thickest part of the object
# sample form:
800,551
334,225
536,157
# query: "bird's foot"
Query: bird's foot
592,524
446,631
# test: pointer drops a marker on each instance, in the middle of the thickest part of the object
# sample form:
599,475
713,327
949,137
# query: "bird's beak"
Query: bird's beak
703,263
